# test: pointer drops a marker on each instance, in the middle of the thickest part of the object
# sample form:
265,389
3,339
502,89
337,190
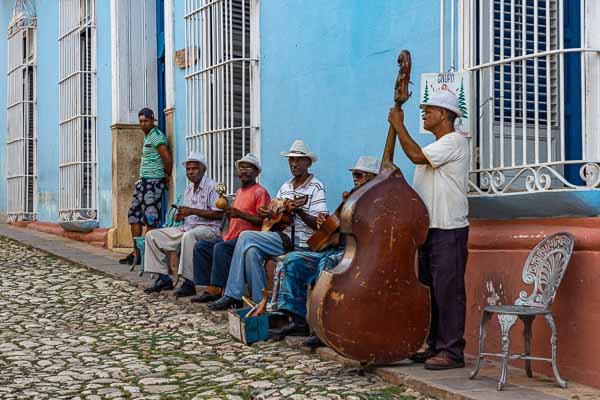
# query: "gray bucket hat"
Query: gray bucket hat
196,156
366,164
250,159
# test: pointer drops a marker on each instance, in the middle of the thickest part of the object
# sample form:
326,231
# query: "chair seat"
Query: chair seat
517,310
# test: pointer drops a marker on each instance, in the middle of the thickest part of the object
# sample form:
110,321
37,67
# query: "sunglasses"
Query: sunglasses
358,174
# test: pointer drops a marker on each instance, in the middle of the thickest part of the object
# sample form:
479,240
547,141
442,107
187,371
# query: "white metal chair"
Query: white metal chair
544,268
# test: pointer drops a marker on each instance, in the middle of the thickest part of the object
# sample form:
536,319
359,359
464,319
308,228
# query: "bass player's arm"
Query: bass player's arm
411,148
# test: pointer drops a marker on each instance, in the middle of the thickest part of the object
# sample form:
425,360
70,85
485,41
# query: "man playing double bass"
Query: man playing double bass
441,179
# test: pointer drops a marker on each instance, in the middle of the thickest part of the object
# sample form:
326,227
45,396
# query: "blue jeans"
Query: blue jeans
212,259
247,265
300,270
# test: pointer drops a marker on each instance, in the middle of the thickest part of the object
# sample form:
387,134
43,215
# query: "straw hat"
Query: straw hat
299,149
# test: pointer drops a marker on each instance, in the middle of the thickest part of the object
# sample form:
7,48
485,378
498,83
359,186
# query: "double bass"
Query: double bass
371,307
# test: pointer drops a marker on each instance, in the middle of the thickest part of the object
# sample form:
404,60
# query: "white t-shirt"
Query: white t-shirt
316,203
443,185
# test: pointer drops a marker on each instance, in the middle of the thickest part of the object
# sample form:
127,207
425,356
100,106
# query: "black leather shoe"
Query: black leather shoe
313,342
293,328
422,356
204,298
186,289
129,260
159,286
225,303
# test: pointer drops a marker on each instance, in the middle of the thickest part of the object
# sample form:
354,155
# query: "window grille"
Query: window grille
21,114
222,81
517,25
77,126
515,50
518,100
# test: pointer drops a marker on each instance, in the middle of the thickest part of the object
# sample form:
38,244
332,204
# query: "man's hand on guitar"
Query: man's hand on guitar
290,205
321,218
274,207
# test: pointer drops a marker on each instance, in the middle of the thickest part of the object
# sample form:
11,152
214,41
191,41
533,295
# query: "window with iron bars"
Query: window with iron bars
532,81
21,114
518,101
519,55
222,83
77,126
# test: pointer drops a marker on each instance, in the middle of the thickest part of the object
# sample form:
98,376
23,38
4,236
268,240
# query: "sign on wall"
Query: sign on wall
458,83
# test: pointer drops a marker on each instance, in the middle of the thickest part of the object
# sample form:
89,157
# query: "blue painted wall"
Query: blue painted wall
180,111
48,109
5,14
327,76
104,112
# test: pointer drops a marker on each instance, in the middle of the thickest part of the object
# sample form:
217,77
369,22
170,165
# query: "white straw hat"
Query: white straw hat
299,149
196,156
366,164
443,99
250,159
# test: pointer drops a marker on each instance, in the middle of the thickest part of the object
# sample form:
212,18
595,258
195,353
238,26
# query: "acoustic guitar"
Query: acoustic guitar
280,209
327,234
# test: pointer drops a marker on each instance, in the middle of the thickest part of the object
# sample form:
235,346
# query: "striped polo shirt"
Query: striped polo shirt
316,204
152,166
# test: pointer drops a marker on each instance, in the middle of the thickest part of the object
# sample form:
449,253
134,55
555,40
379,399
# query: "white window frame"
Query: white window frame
78,167
219,121
134,83
21,145
497,167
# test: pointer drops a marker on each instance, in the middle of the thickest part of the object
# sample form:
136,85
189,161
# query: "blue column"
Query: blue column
572,88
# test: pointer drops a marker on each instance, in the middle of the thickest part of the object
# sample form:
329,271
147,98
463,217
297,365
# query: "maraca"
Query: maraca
221,202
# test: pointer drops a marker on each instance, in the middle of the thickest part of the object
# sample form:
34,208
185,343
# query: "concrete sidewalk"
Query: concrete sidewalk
453,384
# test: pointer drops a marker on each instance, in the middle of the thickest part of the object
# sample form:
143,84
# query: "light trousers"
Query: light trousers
160,241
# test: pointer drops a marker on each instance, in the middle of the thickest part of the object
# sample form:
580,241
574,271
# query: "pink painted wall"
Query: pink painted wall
497,251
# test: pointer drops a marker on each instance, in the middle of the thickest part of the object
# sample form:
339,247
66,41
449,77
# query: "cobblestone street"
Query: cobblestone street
68,332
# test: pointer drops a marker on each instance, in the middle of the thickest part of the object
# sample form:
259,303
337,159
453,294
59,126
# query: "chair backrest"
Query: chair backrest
545,268
170,217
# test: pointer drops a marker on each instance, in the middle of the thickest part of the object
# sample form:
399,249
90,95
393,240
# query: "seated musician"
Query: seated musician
201,220
212,258
247,264
302,268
